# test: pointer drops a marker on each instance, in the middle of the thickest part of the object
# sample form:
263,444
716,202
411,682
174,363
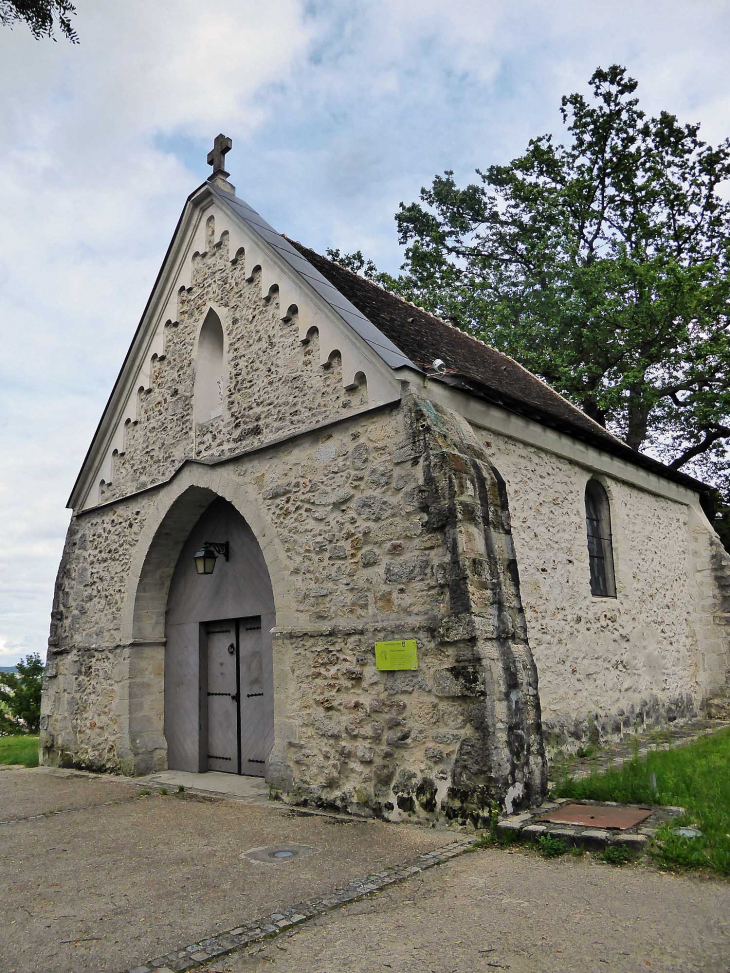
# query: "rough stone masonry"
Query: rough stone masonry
389,500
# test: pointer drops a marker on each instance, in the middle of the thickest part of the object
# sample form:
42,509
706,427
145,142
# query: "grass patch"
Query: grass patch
21,750
696,776
615,855
549,846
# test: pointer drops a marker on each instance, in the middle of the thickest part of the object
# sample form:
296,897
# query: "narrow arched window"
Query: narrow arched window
600,545
208,395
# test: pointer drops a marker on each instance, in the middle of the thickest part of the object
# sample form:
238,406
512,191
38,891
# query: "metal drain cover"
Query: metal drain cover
598,815
277,854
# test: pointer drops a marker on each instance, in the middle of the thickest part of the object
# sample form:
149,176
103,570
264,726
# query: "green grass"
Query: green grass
549,846
19,750
615,855
696,777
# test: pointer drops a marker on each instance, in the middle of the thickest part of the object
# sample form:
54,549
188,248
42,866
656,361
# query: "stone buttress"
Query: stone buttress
461,736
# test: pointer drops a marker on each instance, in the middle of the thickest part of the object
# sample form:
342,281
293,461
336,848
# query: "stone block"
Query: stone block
507,826
459,680
635,842
412,569
594,838
535,829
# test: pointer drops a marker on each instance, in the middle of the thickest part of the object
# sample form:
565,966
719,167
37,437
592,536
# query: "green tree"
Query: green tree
600,264
20,696
359,264
40,16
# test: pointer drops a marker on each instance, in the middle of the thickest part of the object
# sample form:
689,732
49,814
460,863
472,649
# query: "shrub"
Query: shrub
615,855
550,847
20,697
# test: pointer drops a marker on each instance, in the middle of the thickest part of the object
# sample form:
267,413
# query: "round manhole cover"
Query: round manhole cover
275,854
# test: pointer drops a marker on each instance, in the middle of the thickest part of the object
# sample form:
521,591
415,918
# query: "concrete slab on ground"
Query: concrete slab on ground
212,782
106,886
510,910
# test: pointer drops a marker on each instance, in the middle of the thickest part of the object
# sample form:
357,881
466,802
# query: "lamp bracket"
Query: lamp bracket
218,548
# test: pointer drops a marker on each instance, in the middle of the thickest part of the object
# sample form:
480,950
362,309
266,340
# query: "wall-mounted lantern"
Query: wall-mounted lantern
206,557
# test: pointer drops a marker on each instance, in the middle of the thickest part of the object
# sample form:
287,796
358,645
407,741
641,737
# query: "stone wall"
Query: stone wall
273,383
388,525
610,665
711,564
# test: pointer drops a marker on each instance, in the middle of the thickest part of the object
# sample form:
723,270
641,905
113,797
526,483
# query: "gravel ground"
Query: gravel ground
511,910
105,887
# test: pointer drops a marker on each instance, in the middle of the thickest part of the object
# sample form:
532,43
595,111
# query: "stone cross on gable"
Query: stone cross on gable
216,157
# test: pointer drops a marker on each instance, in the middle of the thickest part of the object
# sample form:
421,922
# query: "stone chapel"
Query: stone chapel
324,537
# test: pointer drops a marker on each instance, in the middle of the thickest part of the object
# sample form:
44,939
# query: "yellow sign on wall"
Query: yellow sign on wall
402,654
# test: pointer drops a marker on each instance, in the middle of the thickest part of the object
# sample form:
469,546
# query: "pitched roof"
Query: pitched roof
489,373
403,335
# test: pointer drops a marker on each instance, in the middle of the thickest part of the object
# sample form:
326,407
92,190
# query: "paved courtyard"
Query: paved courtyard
96,876
498,910
105,878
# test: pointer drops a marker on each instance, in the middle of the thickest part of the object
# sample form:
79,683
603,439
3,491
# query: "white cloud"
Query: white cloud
337,112
8,652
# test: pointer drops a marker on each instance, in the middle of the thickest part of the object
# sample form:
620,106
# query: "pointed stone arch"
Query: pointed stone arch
211,355
169,524
218,704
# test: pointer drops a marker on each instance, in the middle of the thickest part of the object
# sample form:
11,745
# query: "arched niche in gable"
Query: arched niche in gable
209,370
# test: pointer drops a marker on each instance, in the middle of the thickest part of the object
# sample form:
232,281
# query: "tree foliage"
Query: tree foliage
600,264
41,16
20,696
359,264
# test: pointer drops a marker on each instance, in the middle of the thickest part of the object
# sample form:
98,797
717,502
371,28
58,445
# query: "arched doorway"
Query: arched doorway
218,705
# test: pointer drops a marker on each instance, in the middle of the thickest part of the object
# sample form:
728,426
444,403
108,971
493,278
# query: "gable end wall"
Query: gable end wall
384,525
274,383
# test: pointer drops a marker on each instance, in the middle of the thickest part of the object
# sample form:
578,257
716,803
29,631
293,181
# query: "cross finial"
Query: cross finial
216,157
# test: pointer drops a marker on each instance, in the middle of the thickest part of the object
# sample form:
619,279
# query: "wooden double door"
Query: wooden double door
237,697
219,678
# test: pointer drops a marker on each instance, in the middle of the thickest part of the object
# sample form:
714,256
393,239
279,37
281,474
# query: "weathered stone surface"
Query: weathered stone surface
349,728
609,665
397,522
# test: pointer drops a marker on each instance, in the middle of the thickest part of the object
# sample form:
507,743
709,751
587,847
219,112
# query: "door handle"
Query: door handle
234,697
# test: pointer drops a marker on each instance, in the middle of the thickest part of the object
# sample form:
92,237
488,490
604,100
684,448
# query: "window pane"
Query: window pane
600,550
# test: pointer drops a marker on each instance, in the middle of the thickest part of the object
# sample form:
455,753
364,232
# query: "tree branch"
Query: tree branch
711,437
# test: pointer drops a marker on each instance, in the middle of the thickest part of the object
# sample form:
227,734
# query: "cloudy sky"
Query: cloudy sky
337,111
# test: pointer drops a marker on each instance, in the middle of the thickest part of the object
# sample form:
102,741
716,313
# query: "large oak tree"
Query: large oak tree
601,264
